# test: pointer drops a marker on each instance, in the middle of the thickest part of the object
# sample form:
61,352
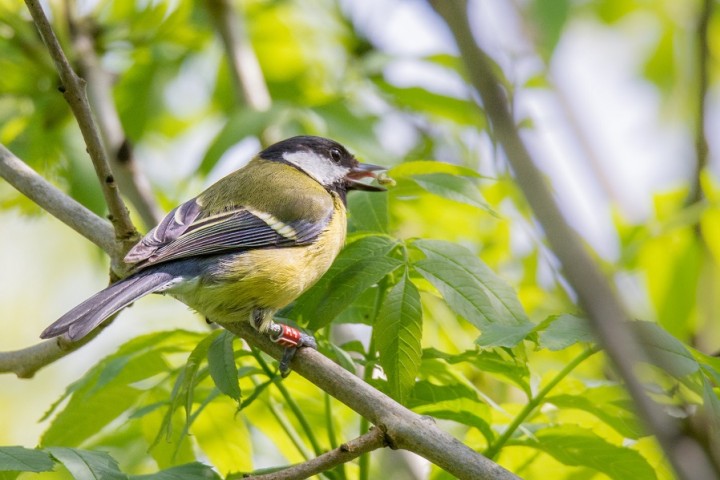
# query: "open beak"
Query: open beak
360,171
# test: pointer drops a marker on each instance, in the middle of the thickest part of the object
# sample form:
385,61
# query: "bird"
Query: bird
244,248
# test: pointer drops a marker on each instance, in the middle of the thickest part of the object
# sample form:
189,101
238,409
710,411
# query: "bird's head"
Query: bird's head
326,161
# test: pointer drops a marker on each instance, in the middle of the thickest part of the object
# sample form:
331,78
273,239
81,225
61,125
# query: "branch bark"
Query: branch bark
245,69
28,182
607,314
403,428
27,361
73,89
703,74
133,184
346,452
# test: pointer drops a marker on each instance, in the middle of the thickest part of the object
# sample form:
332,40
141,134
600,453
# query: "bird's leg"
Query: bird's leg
284,335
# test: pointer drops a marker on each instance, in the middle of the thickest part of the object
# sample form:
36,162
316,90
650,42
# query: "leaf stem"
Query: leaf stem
364,461
340,469
535,402
290,403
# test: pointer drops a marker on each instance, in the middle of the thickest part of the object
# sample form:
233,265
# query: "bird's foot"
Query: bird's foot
291,338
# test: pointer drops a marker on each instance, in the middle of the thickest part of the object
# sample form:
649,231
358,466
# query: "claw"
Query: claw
291,338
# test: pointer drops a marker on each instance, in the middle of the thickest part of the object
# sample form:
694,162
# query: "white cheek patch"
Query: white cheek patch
320,168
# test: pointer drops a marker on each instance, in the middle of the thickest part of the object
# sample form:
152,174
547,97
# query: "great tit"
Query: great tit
247,246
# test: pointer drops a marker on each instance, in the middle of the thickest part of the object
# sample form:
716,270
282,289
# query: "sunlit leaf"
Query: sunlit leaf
221,362
665,351
421,100
427,167
564,331
426,393
368,212
473,291
576,446
608,403
550,17
359,266
223,436
468,413
459,189
72,426
190,378
397,333
495,362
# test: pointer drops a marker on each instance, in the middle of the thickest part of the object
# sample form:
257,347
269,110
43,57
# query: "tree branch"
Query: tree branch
244,66
346,452
403,428
28,182
133,184
73,89
701,145
607,314
27,361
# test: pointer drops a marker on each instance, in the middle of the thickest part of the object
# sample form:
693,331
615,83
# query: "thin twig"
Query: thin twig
346,452
244,66
28,182
73,89
403,428
701,145
535,402
132,182
26,362
291,403
607,314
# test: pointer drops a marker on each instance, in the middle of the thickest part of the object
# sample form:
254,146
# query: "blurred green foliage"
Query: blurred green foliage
470,322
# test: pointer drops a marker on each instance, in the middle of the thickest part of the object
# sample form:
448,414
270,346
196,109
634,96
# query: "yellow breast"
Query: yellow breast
270,278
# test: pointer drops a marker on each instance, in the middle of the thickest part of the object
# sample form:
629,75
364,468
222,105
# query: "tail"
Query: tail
82,319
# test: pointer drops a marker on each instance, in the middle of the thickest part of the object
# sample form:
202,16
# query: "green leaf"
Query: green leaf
189,471
221,362
21,459
73,425
191,377
665,351
368,212
359,266
425,102
495,362
473,291
398,332
426,393
343,358
580,447
608,403
428,167
363,308
452,401
84,464
464,412
564,331
711,411
223,437
550,17
458,189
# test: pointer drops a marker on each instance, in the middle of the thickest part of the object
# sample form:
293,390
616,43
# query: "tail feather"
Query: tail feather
82,319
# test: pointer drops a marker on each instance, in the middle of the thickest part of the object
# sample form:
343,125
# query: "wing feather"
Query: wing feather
184,233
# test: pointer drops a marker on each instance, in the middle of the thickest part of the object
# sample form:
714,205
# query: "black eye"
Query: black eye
336,155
